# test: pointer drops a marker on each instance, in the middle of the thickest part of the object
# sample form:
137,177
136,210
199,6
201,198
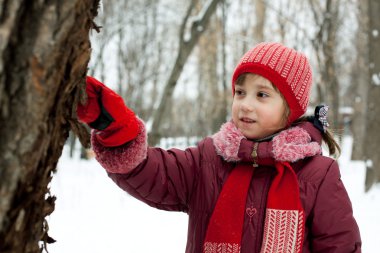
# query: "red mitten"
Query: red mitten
106,112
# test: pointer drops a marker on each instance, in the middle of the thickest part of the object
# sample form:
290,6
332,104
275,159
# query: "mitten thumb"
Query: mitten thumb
90,111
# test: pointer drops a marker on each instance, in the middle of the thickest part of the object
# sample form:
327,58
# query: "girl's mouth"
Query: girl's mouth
247,120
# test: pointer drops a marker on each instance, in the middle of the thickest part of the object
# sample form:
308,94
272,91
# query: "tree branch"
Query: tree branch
185,48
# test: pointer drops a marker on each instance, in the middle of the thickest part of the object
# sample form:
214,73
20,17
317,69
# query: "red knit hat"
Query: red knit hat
286,68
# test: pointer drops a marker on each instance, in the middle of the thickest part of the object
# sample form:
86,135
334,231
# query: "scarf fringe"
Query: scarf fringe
214,247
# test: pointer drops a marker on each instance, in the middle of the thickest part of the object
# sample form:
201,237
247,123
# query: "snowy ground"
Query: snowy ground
94,216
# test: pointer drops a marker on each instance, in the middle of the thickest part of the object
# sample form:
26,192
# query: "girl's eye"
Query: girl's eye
262,94
239,92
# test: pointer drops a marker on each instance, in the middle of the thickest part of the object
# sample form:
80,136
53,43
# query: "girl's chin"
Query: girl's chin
255,135
259,138
249,134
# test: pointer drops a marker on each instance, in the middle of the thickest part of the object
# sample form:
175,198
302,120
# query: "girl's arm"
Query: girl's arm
161,178
333,227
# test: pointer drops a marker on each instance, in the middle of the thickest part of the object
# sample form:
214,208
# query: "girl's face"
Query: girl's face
258,109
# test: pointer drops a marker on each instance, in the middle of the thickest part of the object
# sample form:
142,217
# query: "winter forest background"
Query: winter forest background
172,62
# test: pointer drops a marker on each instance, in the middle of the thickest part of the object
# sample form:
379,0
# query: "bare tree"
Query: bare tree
372,140
187,42
358,92
44,51
135,49
325,43
208,107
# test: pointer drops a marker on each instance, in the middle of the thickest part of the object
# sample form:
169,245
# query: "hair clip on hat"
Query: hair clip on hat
320,118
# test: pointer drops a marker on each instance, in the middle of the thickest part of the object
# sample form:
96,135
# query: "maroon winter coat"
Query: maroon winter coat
191,180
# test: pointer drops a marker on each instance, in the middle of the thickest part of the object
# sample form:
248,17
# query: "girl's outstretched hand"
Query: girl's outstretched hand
105,111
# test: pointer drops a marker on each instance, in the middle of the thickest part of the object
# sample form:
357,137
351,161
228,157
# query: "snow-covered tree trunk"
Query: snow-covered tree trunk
44,51
372,141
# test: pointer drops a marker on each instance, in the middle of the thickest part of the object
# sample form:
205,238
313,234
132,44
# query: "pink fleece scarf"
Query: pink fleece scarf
284,220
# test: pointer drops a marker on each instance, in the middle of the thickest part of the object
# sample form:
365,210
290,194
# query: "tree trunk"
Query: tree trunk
223,112
44,51
330,73
325,44
210,95
360,79
373,109
260,10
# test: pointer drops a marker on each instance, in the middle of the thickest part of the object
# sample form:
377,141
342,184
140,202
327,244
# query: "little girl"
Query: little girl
260,184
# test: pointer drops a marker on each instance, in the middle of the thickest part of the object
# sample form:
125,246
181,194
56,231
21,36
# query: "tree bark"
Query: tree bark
44,51
373,109
186,46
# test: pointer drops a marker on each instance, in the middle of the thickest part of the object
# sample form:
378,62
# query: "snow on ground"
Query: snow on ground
94,216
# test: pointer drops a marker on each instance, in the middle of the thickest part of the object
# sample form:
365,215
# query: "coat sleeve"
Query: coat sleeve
161,178
333,227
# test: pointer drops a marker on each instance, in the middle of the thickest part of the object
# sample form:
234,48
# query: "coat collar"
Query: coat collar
228,141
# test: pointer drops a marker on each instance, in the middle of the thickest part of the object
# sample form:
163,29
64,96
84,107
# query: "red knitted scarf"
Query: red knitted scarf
284,219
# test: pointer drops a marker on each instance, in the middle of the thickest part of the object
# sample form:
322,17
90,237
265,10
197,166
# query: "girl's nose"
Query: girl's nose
247,106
